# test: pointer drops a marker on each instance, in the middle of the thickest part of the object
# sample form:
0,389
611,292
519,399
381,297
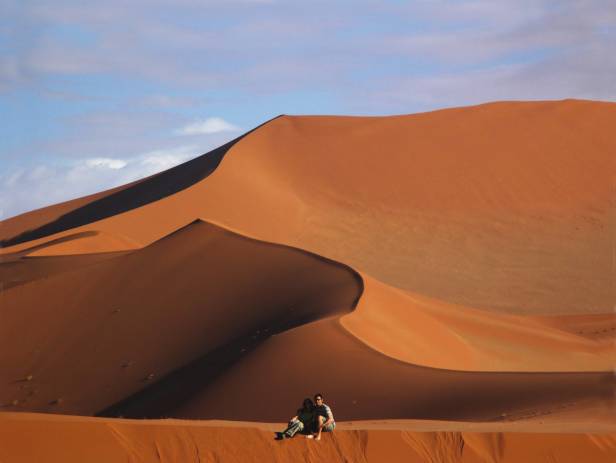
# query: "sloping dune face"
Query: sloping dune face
71,214
475,244
200,298
505,207
61,439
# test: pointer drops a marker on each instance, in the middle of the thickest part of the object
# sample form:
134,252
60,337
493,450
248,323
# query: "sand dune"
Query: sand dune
93,336
60,439
71,214
235,301
385,317
452,265
523,226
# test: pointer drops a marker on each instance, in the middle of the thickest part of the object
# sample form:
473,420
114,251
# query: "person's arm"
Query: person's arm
330,416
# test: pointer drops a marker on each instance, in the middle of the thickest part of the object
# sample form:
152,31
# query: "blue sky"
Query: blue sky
97,94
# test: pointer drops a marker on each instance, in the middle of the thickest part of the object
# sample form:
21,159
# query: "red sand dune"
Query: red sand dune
119,440
452,265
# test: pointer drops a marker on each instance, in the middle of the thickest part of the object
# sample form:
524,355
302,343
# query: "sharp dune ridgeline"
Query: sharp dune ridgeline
455,265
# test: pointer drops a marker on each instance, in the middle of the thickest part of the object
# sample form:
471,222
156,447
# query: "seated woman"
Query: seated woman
301,422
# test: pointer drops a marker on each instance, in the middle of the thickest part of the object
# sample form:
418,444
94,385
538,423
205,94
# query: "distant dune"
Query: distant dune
451,265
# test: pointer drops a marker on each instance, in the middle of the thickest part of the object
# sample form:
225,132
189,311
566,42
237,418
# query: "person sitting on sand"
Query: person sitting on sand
303,421
324,420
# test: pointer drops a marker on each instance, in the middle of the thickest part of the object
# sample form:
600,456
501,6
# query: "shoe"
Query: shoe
280,436
309,436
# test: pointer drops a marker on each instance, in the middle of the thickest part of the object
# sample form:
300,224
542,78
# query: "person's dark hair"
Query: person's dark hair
319,395
308,404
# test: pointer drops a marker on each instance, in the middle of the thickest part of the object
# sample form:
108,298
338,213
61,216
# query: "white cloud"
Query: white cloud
207,126
106,163
165,159
11,180
42,185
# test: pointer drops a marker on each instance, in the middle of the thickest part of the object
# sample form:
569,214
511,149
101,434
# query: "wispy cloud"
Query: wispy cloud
207,126
41,185
106,163
159,160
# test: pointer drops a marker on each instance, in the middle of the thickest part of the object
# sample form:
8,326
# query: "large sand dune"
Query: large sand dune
452,265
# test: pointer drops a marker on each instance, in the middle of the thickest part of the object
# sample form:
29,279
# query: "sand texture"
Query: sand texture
119,440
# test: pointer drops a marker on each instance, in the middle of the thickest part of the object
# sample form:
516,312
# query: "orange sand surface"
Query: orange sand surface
454,265
52,438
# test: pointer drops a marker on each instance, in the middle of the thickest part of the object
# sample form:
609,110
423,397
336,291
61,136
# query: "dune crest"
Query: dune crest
223,292
387,319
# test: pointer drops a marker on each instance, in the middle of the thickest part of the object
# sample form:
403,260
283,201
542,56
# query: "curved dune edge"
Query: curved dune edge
53,438
423,331
99,242
427,332
98,333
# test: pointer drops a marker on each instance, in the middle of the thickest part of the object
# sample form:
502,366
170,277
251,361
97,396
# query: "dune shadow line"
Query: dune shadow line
161,397
148,190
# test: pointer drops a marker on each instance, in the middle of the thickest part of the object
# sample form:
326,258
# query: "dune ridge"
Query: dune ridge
385,316
71,214
125,324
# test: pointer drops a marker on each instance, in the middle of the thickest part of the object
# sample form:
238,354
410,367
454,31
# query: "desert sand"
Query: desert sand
455,265
109,440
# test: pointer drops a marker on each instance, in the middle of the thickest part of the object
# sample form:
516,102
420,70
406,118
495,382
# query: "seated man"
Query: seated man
324,417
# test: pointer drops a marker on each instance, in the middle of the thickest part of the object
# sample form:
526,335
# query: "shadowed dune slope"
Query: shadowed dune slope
30,437
70,214
82,340
20,224
364,384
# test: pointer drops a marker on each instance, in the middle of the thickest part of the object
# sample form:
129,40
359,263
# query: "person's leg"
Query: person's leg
287,432
329,427
294,428
320,421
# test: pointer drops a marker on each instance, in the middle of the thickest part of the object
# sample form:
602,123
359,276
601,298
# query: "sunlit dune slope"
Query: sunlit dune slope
425,331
